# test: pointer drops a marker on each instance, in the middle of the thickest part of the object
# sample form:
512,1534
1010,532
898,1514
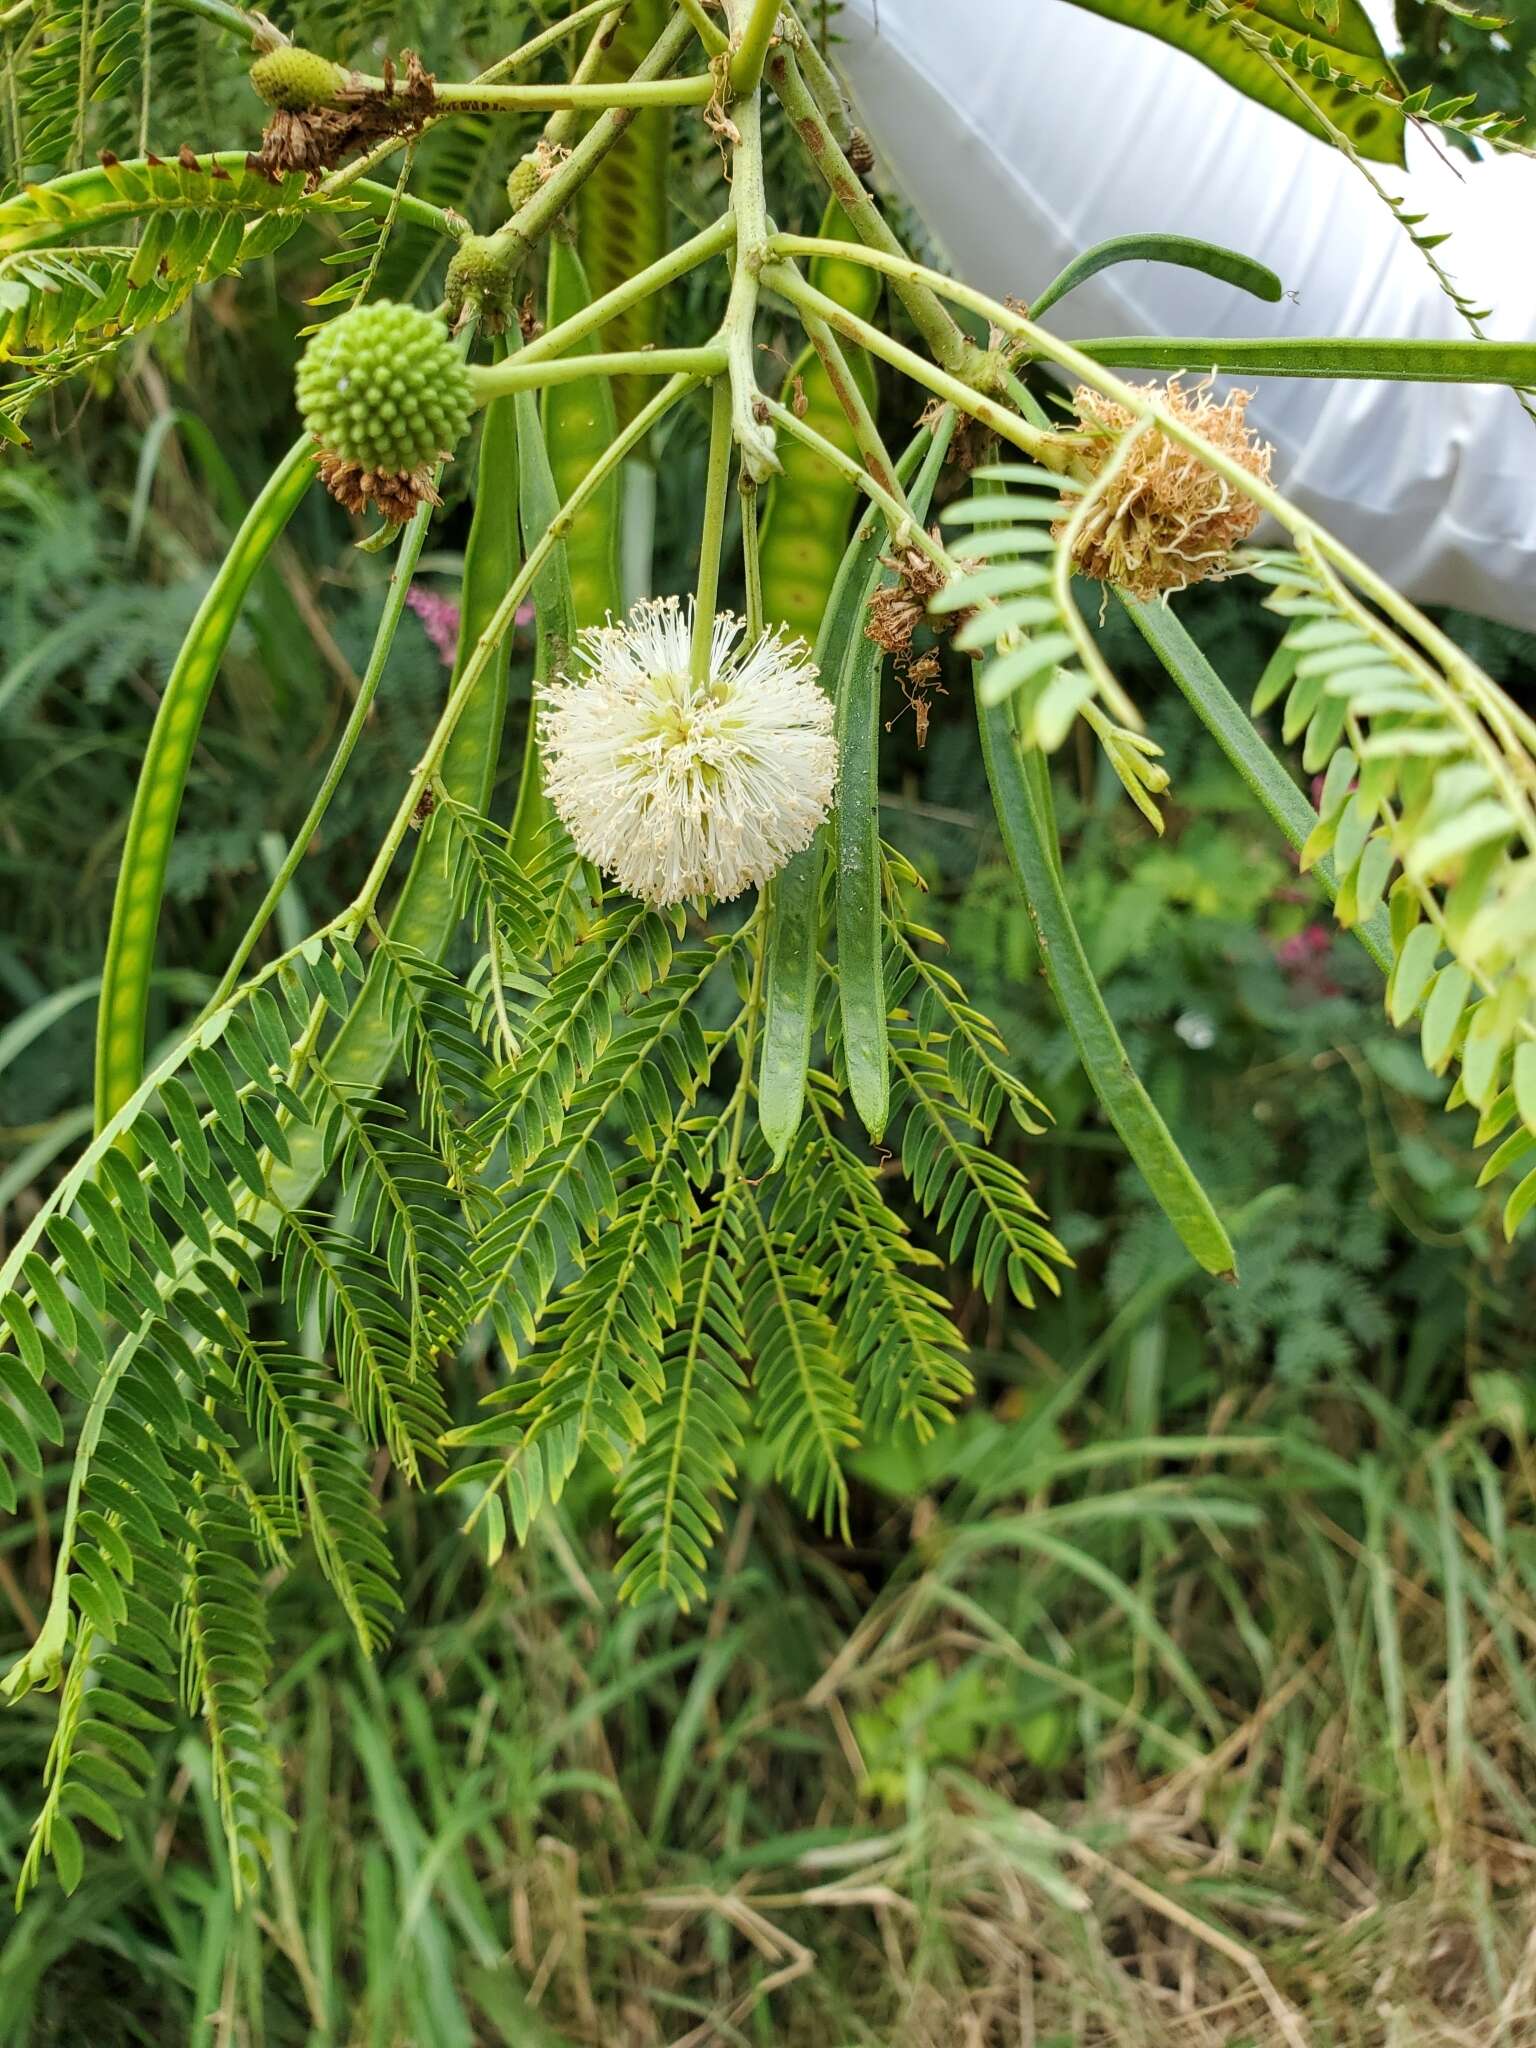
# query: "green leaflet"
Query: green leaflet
163,779
1182,250
860,925
1290,55
1321,355
1020,794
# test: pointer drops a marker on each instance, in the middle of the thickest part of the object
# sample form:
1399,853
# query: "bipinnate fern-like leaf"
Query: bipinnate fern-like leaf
576,1161
670,1491
1018,613
1427,801
100,255
804,1399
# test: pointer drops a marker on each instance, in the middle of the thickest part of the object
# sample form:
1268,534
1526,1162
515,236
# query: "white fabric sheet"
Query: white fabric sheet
1435,485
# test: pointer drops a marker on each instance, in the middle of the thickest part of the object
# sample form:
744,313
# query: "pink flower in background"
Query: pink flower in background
440,617
1301,959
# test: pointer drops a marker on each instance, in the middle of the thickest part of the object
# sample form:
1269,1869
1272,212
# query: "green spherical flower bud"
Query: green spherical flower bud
480,276
524,181
383,387
296,80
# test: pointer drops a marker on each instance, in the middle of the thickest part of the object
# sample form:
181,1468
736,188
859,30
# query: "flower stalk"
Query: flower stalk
750,206
712,529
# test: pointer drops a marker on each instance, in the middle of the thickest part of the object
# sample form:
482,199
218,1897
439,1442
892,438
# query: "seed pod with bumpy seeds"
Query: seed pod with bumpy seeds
296,80
579,423
810,507
624,205
386,395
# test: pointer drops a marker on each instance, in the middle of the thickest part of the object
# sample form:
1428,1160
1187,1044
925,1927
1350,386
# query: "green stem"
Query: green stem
471,97
496,380
806,299
362,904
752,44
749,203
898,514
411,543
534,219
559,128
709,33
235,19
712,531
819,80
875,455
556,340
931,317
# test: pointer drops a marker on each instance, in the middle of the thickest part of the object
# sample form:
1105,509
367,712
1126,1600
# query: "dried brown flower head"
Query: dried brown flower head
317,138
393,493
895,612
1167,519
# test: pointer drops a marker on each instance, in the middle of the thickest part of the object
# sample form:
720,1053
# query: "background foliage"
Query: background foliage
1180,1686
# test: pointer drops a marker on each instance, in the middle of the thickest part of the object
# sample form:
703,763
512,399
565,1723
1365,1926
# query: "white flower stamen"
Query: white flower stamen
682,790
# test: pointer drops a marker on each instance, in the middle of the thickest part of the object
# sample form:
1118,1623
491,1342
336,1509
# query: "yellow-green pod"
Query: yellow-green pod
810,507
624,204
579,423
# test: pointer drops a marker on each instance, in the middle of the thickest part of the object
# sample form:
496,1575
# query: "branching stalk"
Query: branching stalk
806,299
739,332
758,21
496,380
712,530
538,215
932,319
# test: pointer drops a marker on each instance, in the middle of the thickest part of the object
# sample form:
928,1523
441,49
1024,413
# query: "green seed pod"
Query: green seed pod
480,277
384,388
296,80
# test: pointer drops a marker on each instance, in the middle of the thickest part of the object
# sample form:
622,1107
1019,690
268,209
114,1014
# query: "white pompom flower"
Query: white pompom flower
681,790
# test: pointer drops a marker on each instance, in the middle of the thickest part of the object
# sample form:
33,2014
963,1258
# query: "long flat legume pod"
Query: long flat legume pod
163,779
580,421
809,507
794,897
1020,795
554,609
860,923
363,1049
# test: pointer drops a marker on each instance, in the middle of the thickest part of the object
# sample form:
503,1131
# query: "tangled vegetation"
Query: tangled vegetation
574,1092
